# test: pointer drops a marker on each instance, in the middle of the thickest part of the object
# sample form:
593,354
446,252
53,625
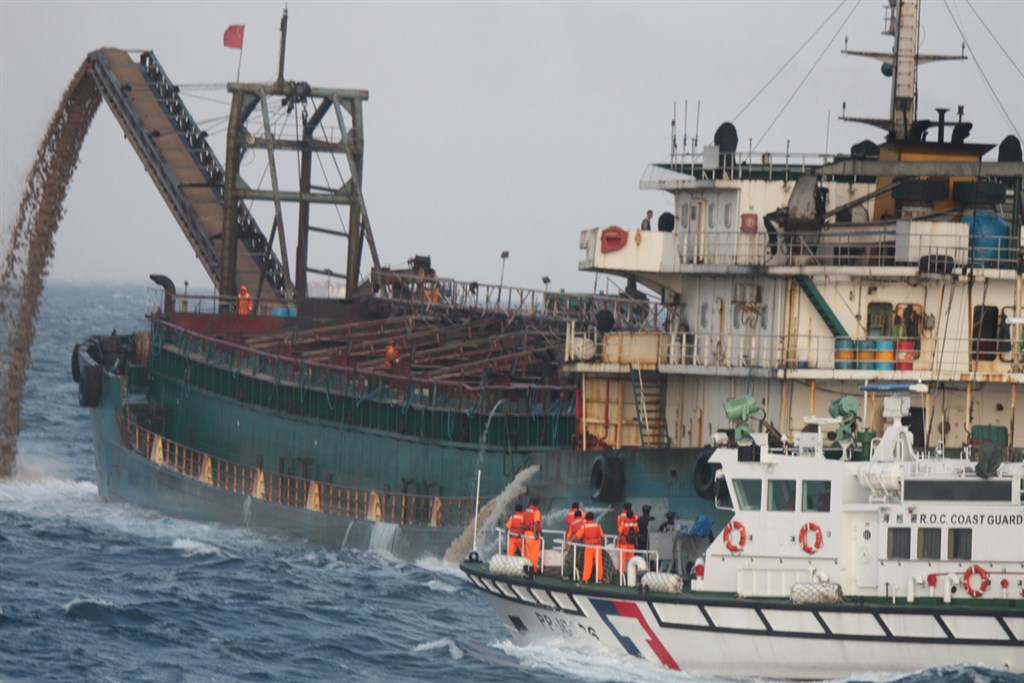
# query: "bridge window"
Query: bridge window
748,493
929,544
727,215
817,496
781,494
899,544
684,215
711,216
960,544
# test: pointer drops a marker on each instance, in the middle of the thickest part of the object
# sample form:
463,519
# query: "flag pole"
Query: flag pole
238,74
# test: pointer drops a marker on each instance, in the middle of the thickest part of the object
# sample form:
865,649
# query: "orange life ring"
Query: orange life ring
819,538
733,525
969,574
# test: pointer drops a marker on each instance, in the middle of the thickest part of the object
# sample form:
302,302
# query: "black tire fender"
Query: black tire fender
704,474
607,478
75,372
90,385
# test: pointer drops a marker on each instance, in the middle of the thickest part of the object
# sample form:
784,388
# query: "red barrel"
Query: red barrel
905,354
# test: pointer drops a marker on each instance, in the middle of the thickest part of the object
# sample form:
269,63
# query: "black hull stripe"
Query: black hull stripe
1006,628
942,625
824,626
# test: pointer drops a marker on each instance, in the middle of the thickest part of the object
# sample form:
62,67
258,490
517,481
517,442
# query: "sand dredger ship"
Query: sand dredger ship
374,419
364,420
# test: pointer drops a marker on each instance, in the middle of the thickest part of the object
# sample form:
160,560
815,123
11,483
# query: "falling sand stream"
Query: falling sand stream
28,246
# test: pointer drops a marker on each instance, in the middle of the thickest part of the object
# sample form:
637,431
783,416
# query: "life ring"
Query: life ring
606,479
819,538
704,474
969,574
733,525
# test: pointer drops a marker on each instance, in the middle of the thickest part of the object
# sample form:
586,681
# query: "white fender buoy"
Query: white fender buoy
635,564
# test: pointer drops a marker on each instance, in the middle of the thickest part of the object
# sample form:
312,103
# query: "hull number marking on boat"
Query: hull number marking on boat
562,626
628,616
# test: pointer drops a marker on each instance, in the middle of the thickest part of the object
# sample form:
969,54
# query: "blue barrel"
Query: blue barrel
885,354
990,239
866,354
845,354
283,312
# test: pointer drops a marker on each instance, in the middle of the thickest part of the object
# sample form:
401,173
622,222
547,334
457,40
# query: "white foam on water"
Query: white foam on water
436,565
71,604
581,660
441,586
191,548
453,650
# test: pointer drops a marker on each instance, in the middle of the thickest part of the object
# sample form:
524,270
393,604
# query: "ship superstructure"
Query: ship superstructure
796,278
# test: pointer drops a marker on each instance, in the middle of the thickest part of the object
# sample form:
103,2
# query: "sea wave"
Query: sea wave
453,649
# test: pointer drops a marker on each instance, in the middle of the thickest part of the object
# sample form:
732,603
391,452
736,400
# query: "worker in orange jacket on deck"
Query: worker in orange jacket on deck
531,534
573,527
515,526
571,514
244,301
629,530
593,537
627,507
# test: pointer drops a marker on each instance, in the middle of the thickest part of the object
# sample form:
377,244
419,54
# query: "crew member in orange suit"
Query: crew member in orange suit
573,528
571,514
391,357
629,530
531,533
244,301
627,507
515,525
593,537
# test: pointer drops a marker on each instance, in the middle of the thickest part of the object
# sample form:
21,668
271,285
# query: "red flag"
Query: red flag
234,35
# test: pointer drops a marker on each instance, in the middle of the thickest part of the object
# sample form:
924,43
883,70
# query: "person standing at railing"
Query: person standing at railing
531,533
244,301
593,556
572,528
515,526
645,224
643,522
627,507
571,514
629,529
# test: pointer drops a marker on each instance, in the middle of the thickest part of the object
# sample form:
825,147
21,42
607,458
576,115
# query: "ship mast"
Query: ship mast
312,107
903,24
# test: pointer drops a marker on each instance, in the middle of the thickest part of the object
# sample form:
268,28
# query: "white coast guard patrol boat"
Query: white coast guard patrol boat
830,565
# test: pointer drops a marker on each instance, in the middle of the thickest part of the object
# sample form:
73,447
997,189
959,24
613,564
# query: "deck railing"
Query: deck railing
295,492
750,349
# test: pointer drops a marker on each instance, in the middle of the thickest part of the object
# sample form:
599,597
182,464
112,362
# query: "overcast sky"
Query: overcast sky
490,126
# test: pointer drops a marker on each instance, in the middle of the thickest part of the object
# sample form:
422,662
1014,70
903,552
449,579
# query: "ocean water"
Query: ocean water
92,591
